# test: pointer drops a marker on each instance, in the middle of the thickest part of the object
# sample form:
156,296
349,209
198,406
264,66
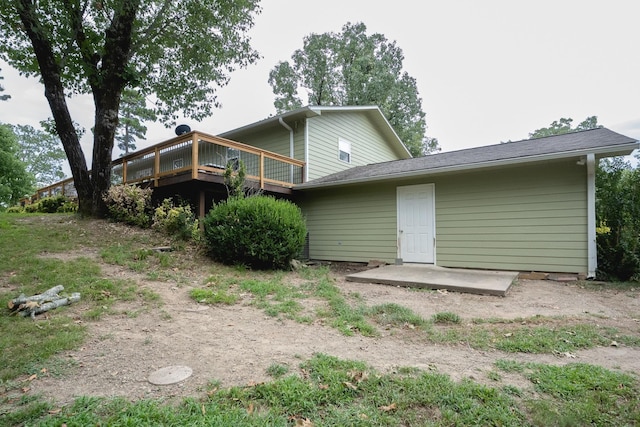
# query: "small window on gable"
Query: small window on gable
344,150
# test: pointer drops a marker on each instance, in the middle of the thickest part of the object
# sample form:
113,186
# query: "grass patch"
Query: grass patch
446,317
341,315
27,345
274,297
211,296
135,258
545,336
271,293
396,315
277,370
576,394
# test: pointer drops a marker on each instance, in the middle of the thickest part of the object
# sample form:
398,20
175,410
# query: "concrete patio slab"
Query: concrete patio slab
482,282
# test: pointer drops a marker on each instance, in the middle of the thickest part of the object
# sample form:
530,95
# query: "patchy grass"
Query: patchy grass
29,266
135,258
277,370
446,317
397,316
211,296
576,394
327,391
550,336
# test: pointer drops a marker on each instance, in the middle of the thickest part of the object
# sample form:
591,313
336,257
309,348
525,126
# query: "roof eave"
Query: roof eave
618,150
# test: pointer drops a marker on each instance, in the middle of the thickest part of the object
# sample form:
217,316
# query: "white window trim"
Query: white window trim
344,146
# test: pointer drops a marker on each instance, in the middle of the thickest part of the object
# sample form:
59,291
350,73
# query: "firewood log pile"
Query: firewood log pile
41,303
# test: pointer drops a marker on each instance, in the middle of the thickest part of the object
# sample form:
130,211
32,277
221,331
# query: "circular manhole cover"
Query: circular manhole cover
170,375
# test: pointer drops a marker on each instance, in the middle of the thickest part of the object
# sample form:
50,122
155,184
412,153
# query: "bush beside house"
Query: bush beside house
260,231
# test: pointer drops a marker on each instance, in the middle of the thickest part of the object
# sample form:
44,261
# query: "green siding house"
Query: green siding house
327,139
523,206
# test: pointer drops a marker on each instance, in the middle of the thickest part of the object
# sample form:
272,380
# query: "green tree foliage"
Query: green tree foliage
15,181
258,231
559,127
3,97
618,217
133,112
353,68
41,152
179,52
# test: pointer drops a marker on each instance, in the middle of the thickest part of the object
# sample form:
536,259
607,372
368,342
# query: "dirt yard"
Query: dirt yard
236,344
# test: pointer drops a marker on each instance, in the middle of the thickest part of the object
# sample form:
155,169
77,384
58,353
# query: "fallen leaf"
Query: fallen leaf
250,409
204,411
32,377
363,416
303,422
507,335
349,385
323,386
43,370
359,376
55,411
569,355
388,408
25,389
614,344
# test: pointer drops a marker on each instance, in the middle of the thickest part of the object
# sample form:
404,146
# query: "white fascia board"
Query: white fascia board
624,148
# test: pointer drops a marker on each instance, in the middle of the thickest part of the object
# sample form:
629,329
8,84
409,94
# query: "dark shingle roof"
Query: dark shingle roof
598,141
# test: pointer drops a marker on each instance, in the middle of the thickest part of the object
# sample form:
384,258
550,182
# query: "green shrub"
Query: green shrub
174,220
618,217
258,231
51,204
129,204
68,206
15,209
32,207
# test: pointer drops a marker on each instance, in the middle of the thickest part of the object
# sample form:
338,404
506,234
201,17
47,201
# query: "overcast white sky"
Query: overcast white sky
487,71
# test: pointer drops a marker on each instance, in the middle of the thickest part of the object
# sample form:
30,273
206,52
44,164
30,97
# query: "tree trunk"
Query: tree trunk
54,92
107,75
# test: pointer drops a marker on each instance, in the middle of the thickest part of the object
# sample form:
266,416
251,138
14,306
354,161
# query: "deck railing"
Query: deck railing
194,153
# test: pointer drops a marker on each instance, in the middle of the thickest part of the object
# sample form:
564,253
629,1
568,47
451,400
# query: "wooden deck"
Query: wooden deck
196,156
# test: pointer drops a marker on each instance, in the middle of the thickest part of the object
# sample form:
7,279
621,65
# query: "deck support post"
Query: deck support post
194,156
201,206
156,167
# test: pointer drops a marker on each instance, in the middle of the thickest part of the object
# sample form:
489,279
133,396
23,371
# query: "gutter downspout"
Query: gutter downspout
306,150
592,254
291,150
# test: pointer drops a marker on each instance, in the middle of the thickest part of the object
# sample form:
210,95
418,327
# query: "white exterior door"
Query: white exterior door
416,223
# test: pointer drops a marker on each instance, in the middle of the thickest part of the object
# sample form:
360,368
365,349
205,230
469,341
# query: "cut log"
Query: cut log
48,295
41,308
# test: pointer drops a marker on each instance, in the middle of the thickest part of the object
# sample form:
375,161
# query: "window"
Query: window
344,150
